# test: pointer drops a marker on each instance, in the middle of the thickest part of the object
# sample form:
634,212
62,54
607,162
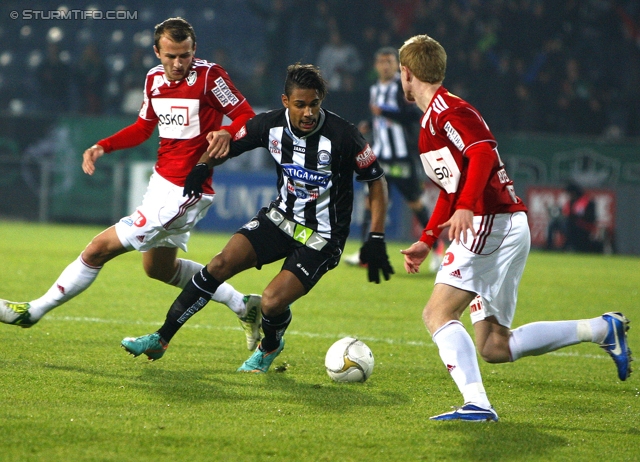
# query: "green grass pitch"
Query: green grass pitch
70,393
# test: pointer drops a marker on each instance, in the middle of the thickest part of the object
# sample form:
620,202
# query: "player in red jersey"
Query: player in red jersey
186,98
490,242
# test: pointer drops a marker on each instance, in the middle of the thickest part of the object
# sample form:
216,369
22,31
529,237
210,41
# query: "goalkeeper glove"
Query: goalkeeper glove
195,179
374,254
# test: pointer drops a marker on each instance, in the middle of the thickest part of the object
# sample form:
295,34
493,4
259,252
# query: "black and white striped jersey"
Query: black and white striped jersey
315,171
395,130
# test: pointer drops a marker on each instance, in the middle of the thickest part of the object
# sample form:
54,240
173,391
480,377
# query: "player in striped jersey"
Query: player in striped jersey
316,154
488,226
394,127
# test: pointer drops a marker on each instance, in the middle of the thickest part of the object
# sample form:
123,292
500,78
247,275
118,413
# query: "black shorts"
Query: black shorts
272,244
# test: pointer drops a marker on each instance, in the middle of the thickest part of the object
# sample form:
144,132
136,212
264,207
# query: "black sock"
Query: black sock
273,328
192,299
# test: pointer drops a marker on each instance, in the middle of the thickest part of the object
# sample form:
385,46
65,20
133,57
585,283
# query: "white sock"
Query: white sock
72,281
458,353
538,338
186,270
224,294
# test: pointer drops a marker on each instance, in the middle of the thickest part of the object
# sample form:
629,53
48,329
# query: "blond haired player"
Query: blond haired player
488,226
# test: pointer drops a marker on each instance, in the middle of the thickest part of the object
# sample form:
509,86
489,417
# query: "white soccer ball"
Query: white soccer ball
349,360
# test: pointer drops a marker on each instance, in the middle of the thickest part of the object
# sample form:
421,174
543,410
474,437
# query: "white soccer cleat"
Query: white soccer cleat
251,322
16,313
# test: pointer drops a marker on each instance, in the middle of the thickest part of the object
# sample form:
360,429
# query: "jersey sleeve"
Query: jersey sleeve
239,117
367,167
482,160
464,127
249,136
441,213
130,136
226,98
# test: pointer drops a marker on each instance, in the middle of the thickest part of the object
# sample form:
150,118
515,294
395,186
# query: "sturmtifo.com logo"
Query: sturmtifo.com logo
64,14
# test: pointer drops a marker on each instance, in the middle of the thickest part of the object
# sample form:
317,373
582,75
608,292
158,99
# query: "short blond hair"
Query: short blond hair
425,58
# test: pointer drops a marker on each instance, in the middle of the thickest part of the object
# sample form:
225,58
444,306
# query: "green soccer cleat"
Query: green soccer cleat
251,322
151,345
16,313
260,361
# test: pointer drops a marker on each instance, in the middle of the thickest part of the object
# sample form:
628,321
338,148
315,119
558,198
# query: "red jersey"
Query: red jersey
184,111
460,156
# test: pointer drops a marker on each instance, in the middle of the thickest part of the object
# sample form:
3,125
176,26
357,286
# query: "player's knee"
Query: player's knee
431,321
272,304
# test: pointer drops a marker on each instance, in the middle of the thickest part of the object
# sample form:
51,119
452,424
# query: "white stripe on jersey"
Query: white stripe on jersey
275,147
439,104
324,228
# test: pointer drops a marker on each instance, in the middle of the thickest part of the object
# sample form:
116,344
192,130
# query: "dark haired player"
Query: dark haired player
316,155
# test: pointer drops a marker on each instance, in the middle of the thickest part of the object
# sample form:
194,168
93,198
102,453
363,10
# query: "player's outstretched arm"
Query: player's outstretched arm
414,256
218,144
89,158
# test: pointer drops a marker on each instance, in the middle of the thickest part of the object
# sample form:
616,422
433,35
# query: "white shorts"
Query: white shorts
491,265
164,219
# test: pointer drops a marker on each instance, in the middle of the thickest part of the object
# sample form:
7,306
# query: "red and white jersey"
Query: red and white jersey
186,111
451,132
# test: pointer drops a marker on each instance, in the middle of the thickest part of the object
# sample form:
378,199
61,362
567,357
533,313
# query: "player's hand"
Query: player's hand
89,158
218,144
460,224
373,253
195,179
414,256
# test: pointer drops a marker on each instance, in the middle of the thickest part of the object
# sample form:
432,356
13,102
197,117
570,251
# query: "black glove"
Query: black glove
195,179
374,254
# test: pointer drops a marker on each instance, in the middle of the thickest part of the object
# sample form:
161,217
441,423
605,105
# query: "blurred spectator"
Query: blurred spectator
580,215
91,78
54,77
527,65
339,63
132,89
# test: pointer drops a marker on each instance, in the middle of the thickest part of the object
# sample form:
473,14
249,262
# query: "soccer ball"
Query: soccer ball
349,360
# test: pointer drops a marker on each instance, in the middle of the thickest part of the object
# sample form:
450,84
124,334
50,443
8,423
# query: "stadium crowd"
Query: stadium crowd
569,67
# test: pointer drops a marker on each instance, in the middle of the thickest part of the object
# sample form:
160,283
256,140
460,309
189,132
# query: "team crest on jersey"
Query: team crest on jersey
191,78
324,157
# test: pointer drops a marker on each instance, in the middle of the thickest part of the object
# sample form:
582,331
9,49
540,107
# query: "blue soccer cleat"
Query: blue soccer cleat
615,343
260,361
469,412
151,345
